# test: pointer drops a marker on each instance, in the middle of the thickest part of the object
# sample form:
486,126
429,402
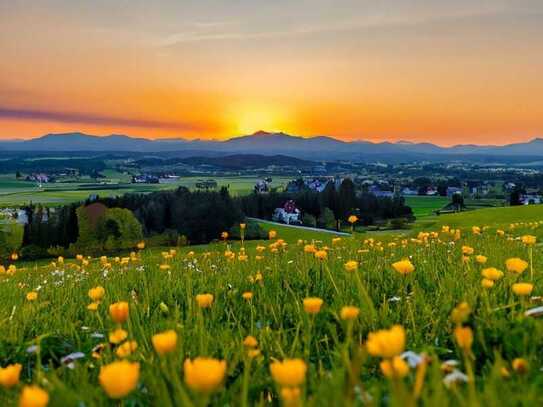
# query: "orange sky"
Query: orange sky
444,72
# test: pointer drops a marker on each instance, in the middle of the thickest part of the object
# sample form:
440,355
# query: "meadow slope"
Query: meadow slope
436,319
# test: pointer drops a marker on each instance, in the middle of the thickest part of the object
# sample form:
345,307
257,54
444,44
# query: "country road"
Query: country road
269,222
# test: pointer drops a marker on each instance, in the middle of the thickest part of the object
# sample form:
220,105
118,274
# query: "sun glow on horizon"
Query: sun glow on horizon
252,117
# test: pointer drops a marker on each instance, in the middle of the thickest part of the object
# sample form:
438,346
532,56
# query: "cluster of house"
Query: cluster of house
288,214
16,214
154,179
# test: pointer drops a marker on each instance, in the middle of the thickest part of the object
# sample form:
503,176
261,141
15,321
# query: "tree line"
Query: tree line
324,209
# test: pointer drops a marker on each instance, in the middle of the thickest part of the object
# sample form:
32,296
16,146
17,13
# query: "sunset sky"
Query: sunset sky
448,72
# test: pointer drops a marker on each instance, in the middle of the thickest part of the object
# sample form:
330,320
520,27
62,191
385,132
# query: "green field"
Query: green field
426,205
485,352
13,192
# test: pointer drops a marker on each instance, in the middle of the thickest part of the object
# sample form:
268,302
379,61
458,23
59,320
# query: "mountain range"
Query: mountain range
261,142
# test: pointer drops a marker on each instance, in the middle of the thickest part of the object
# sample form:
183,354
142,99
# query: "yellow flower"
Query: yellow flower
492,273
476,230
486,283
119,378
140,245
118,311
14,257
460,313
204,300
321,254
352,219
165,342
386,343
520,365
403,267
464,337
467,250
310,248
9,375
117,336
481,259
97,293
250,341
126,349
224,235
348,313
247,295
394,368
33,396
289,372
93,306
290,396
32,296
516,265
351,266
522,289
272,234
528,240
204,374
312,305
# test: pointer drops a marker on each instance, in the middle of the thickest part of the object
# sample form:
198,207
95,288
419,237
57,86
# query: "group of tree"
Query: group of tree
324,209
111,224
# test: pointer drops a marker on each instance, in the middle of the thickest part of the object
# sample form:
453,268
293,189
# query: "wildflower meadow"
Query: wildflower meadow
450,316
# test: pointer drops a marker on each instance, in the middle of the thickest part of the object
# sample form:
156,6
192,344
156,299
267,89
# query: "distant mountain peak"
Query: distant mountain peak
261,133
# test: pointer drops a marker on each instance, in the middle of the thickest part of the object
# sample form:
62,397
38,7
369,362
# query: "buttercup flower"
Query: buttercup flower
481,259
204,300
117,336
97,293
352,219
403,267
165,342
118,379
9,375
351,266
464,337
528,240
386,343
250,341
32,296
118,311
348,313
522,289
290,396
460,313
516,265
394,368
126,349
289,372
204,374
492,273
312,305
321,254
486,283
520,365
33,396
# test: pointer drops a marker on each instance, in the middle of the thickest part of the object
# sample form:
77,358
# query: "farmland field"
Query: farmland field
437,319
13,192
426,205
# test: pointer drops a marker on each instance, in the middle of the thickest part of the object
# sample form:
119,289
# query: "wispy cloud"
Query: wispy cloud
94,119
232,30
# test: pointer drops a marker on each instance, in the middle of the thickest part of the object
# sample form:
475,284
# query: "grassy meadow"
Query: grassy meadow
304,318
19,192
